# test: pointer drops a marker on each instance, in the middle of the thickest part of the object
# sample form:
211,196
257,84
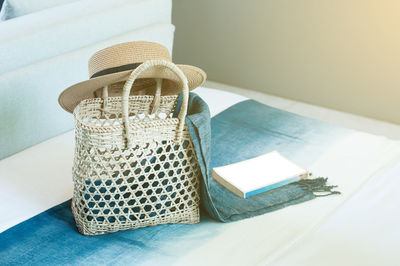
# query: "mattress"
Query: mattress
334,230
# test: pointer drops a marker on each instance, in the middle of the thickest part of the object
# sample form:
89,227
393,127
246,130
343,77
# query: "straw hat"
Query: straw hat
113,65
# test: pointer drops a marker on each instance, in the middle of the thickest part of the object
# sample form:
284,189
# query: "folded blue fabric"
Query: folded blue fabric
246,130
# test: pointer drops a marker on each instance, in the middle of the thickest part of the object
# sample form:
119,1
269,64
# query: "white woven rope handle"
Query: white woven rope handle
105,99
157,97
128,85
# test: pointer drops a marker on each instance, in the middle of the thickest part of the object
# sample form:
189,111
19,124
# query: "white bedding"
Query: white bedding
365,230
342,230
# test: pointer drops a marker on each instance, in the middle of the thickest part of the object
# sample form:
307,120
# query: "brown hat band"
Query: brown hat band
113,70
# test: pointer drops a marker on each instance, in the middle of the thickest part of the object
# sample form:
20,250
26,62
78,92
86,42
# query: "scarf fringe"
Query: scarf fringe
318,187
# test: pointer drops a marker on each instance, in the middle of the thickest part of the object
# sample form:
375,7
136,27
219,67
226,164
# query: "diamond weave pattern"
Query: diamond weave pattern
155,181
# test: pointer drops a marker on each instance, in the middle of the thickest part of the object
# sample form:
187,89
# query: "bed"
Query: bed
359,227
346,229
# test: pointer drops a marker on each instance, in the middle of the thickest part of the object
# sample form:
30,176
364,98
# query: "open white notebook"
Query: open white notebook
254,176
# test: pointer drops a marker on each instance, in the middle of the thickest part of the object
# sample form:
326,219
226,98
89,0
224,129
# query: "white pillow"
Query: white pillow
61,29
16,8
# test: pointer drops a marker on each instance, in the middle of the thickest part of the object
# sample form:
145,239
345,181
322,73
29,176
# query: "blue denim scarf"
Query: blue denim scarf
241,133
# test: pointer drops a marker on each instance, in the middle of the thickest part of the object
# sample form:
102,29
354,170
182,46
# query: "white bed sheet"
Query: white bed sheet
365,230
311,233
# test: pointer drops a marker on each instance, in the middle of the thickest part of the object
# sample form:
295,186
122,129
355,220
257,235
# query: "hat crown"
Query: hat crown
126,54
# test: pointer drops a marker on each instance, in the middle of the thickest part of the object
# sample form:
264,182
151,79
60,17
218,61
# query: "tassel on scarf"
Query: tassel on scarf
317,186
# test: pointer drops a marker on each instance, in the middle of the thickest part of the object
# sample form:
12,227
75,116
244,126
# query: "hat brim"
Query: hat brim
73,95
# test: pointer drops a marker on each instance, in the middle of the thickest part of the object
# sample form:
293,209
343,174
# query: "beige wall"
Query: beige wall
341,54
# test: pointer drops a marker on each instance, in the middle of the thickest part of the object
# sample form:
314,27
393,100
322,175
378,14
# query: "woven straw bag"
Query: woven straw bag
134,164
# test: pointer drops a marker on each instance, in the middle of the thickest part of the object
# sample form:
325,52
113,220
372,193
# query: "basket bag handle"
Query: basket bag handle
128,85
